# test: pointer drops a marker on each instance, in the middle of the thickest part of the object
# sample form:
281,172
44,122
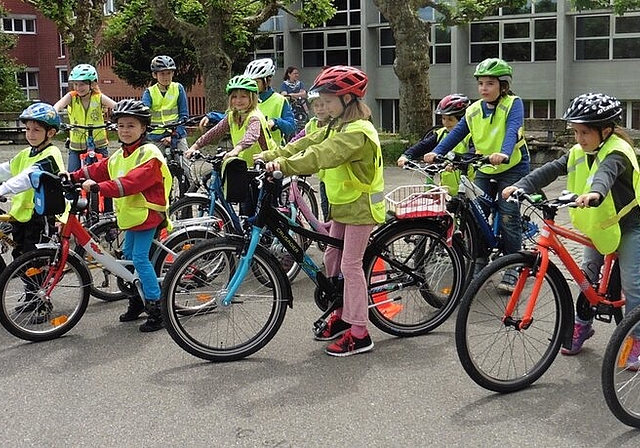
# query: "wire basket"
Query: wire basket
417,201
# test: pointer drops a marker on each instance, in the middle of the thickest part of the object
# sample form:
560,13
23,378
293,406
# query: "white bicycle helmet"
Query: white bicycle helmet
260,68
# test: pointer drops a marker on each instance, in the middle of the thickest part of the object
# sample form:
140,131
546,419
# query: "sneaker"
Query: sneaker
335,328
509,280
348,345
581,332
633,363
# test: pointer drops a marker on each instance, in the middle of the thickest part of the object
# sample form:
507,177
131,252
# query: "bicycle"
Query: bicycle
45,292
620,377
476,213
506,341
300,111
213,203
90,156
244,293
183,179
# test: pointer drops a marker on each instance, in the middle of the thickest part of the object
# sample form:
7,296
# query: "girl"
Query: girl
350,158
85,105
451,108
137,176
496,125
603,170
246,124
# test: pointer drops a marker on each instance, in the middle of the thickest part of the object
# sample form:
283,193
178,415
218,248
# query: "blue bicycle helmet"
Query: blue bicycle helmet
42,113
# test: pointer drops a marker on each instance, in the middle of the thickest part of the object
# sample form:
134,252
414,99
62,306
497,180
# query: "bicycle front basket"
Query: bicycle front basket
417,201
49,197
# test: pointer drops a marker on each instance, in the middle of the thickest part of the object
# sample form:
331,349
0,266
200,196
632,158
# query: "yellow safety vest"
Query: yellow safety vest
342,185
22,203
133,210
164,108
272,108
238,132
489,133
451,179
91,116
601,223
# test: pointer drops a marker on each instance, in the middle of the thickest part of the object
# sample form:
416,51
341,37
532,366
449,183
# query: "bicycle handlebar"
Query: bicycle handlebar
173,125
91,127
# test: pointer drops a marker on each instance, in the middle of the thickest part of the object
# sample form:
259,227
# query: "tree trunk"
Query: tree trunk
411,65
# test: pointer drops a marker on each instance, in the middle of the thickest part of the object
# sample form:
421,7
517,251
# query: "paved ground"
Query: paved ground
106,384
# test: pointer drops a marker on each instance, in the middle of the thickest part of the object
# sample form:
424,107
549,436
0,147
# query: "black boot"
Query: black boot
134,310
154,321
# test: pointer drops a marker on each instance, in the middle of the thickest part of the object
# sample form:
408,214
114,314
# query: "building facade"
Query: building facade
556,52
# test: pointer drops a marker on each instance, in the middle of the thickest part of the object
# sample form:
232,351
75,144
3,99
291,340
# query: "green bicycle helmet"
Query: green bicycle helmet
496,68
243,82
84,72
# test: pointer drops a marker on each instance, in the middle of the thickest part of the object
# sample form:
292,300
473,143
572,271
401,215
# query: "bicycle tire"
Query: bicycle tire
25,314
621,381
505,359
420,305
307,194
219,333
198,206
104,284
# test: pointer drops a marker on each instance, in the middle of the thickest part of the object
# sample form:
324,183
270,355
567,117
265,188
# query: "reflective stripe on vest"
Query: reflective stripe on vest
600,223
342,185
238,132
92,116
22,203
488,133
164,108
133,210
272,108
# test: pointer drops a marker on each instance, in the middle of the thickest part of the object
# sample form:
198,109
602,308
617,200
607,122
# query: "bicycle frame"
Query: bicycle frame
548,240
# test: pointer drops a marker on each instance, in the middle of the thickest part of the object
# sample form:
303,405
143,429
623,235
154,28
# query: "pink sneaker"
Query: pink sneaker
581,332
633,364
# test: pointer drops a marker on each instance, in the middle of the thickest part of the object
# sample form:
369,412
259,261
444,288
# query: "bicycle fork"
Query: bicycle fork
228,293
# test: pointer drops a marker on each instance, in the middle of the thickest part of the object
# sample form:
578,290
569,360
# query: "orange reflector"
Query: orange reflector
389,309
187,246
624,353
203,297
446,290
59,320
33,271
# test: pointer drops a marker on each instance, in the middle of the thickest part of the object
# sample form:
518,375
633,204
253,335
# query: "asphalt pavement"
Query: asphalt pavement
106,384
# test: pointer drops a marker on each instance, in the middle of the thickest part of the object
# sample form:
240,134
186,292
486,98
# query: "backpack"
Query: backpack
49,196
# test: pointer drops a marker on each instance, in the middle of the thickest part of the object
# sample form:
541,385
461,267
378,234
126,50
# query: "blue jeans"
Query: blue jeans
74,158
510,221
136,247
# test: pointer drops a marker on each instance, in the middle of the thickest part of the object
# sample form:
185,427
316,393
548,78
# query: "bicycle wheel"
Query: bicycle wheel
104,284
198,206
27,312
421,279
495,354
307,194
620,376
199,278
184,239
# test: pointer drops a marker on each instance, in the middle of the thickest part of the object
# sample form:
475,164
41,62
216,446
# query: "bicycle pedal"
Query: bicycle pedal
319,326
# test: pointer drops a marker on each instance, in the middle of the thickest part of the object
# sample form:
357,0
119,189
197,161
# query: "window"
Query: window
607,37
274,23
62,48
635,114
63,80
626,38
109,7
347,14
521,40
270,46
439,50
389,115
28,82
530,7
331,48
19,25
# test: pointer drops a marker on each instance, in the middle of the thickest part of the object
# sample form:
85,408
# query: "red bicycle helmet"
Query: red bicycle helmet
454,104
340,80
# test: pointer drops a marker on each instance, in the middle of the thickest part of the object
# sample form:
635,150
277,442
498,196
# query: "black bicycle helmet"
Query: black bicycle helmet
162,62
131,108
594,109
455,104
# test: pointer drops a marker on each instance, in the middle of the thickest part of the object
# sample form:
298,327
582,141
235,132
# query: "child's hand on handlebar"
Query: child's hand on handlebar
498,158
430,157
88,184
191,151
591,199
272,166
508,191
402,160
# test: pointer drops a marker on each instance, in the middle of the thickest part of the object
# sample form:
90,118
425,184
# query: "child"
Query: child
451,108
496,125
41,124
245,123
138,179
167,101
603,170
277,111
351,159
85,105
319,120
